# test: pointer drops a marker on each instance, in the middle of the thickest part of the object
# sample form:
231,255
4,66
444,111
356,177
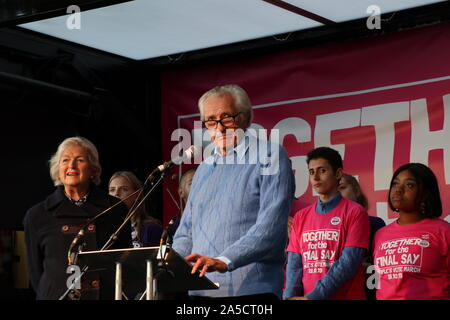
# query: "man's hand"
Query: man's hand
206,264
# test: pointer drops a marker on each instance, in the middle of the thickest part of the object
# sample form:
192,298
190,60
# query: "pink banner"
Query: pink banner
380,102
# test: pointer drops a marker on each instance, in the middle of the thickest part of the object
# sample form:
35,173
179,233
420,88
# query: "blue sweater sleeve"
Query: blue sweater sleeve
294,273
182,241
340,272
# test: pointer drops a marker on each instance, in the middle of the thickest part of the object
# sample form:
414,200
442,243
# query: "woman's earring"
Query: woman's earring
423,207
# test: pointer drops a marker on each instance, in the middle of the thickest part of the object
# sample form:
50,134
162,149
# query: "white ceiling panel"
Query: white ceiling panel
144,29
345,10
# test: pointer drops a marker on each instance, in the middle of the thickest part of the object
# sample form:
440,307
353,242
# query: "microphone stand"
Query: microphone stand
72,257
74,294
114,236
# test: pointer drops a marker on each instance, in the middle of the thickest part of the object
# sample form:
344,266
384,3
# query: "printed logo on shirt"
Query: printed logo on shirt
335,221
396,257
424,243
319,251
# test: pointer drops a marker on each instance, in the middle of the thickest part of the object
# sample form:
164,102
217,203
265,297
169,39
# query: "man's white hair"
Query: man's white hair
240,98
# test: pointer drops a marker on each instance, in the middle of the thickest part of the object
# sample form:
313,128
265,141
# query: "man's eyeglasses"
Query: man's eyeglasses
227,121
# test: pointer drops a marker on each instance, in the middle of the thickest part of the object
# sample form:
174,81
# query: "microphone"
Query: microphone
71,256
166,236
190,152
161,256
75,241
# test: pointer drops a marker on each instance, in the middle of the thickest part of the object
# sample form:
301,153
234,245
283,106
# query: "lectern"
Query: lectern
152,270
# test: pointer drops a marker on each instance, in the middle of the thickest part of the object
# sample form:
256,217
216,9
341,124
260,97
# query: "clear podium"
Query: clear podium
149,271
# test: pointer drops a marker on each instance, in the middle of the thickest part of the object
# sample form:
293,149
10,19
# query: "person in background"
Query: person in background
51,225
234,223
350,189
183,192
145,230
185,186
412,254
329,239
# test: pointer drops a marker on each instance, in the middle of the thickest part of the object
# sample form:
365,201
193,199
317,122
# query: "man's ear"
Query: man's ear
339,173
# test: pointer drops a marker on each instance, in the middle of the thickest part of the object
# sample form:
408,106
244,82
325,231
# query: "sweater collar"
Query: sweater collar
327,206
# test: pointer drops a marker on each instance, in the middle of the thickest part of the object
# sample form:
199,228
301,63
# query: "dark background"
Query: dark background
121,117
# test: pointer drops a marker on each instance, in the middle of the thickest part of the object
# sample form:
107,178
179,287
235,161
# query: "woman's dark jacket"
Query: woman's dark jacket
50,227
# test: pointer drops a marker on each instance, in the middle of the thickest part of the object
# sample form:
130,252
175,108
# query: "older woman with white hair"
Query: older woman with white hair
51,225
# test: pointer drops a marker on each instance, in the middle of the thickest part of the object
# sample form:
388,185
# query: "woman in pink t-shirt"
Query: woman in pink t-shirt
411,254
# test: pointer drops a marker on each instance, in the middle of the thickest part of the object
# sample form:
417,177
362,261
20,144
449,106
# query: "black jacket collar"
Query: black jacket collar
61,206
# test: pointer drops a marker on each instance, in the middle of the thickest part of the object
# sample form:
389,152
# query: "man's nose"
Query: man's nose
221,128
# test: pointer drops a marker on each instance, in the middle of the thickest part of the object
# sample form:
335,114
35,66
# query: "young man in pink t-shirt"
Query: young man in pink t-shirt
329,239
411,254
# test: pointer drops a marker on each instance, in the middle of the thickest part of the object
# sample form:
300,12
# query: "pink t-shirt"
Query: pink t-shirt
413,261
320,239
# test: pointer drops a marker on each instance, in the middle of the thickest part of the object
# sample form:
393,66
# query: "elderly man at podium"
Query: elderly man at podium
234,223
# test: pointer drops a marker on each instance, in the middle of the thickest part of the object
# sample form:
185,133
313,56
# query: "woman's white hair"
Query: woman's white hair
93,158
240,97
